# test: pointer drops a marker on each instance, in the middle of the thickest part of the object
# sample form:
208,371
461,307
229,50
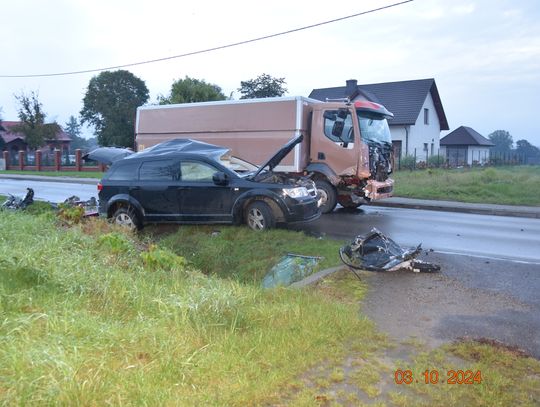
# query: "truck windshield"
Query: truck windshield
374,127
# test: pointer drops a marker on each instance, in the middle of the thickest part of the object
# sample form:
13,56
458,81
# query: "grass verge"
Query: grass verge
73,174
518,185
91,315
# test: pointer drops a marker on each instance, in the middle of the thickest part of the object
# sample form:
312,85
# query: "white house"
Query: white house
419,116
465,146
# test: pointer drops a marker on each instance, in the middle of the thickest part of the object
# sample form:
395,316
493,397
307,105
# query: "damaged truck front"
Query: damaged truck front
346,148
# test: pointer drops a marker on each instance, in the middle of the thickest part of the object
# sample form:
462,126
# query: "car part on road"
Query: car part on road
290,269
15,202
377,252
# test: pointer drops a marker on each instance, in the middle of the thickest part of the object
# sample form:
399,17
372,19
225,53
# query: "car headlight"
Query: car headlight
298,192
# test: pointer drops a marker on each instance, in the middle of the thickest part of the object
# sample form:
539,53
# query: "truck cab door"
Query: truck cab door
334,140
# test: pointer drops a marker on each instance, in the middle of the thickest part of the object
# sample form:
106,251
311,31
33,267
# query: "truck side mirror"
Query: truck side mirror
337,129
220,178
342,113
330,115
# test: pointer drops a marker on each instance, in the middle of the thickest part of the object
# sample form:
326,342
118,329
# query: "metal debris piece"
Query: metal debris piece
89,206
377,252
15,202
290,269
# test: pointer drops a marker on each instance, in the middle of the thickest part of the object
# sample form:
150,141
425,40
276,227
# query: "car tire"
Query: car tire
259,216
328,195
127,217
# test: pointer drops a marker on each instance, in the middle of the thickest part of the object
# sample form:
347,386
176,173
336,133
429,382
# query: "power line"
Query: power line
234,44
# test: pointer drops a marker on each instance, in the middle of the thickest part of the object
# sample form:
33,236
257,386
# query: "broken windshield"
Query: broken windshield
374,127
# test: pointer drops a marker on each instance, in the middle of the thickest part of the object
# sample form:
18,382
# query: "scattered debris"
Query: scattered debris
290,269
377,252
15,202
89,206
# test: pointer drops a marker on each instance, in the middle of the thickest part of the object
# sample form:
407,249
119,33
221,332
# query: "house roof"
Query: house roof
465,136
8,135
405,98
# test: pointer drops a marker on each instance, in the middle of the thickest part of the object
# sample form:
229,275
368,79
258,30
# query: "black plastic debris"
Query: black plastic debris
14,202
377,252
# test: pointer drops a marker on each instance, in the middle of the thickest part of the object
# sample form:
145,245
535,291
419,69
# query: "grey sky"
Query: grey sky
484,55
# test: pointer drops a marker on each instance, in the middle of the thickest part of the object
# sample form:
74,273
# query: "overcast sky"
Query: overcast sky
483,54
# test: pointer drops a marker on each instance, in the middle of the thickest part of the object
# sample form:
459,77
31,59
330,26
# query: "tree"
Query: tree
73,128
110,103
263,86
502,140
527,150
32,121
191,90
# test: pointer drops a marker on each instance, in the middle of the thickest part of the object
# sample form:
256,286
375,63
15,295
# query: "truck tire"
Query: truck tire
328,195
259,216
127,217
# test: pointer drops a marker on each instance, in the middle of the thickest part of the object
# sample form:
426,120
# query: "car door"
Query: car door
156,189
199,198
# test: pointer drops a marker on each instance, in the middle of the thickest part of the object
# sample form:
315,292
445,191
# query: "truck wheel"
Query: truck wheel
328,195
346,202
259,216
127,217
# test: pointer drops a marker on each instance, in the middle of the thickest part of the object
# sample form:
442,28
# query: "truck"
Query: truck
346,147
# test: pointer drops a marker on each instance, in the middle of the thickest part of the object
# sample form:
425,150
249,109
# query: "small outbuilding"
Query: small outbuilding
465,146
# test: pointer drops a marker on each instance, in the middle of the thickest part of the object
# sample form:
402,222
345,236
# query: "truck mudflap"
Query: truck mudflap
376,190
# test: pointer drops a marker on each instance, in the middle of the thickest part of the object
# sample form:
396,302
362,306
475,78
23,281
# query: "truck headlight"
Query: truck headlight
298,192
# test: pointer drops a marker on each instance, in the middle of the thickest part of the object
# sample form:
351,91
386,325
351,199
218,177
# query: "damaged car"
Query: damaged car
189,181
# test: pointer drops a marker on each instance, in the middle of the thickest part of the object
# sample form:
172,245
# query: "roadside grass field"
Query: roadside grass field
516,185
93,315
74,174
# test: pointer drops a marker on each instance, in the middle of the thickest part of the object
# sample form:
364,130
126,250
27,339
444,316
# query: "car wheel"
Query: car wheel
127,217
328,195
259,216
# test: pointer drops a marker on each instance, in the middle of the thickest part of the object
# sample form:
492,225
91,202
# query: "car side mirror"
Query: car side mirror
220,178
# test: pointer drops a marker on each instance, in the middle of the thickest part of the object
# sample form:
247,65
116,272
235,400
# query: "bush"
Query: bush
436,161
407,162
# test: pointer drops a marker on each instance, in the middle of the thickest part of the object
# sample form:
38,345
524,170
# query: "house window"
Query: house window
426,116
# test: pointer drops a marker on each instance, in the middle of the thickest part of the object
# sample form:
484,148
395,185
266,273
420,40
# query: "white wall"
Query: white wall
474,152
422,133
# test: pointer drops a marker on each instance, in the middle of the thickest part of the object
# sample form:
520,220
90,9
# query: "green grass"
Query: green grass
86,319
74,174
518,185
237,253
92,315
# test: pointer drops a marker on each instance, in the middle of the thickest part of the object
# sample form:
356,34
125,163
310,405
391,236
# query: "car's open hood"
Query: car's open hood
107,155
280,155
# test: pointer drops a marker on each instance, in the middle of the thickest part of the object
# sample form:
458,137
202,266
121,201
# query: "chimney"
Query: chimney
351,87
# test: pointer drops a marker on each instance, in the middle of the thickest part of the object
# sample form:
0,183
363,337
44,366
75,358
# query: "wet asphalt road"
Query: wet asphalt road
480,235
489,285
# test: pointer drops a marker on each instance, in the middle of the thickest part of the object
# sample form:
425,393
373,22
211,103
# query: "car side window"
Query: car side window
159,170
197,171
125,172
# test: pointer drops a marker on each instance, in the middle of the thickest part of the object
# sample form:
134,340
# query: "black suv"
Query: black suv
187,181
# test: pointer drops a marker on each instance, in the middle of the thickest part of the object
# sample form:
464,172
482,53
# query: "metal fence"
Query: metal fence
479,158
